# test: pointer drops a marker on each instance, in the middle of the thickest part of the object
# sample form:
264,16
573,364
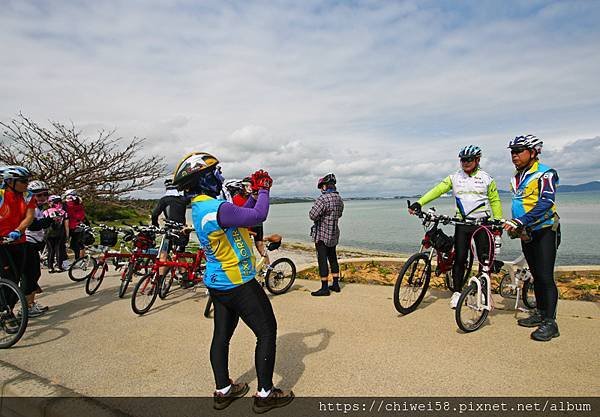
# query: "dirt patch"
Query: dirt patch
572,285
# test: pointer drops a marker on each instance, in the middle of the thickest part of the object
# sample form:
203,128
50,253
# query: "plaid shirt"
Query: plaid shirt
325,213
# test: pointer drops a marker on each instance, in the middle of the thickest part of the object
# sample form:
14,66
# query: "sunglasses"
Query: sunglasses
517,151
44,194
23,180
467,160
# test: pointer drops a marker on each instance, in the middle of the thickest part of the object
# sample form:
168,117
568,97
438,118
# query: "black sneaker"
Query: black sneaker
547,331
222,401
321,292
335,288
10,324
276,398
536,319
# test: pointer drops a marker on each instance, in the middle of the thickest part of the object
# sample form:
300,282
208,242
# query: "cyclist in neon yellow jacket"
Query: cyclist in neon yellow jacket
534,219
476,195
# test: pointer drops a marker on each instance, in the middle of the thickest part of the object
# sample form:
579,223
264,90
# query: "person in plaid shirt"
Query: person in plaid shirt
325,232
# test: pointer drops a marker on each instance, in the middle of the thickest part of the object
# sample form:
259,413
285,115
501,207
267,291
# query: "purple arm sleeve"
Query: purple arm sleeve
230,215
250,202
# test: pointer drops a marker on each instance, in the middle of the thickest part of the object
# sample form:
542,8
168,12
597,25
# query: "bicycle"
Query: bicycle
12,327
108,238
414,276
156,283
278,276
142,257
517,283
475,301
81,268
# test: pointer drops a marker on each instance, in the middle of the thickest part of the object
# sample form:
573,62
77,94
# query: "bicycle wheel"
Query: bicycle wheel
126,278
468,316
82,268
144,293
208,307
506,289
528,295
95,279
280,276
165,283
12,326
412,283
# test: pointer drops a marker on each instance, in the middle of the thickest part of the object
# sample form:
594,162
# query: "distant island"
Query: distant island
588,186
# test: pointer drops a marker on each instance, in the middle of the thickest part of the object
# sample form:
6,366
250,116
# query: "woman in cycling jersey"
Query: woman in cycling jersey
230,276
476,194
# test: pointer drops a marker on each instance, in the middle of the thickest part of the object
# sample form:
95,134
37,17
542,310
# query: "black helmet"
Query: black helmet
328,179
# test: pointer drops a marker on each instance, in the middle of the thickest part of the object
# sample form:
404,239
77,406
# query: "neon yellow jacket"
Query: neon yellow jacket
475,194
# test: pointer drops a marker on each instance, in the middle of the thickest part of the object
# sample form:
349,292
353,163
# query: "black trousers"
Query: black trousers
57,251
325,254
16,253
540,253
31,270
462,246
250,303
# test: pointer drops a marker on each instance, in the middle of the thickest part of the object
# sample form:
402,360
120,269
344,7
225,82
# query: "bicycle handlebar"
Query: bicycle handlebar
430,215
5,240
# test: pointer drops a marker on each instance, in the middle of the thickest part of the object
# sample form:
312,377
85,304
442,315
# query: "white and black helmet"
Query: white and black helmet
37,186
527,142
470,151
14,172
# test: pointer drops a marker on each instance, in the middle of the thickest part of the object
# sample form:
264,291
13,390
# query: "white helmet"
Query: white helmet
527,142
14,172
70,194
37,186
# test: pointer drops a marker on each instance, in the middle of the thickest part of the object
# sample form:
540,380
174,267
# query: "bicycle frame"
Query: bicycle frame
519,274
485,267
444,260
477,280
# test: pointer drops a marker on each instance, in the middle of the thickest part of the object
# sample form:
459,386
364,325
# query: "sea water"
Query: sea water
385,225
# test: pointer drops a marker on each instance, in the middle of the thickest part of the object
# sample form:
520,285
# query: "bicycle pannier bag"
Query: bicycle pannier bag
88,238
441,241
108,237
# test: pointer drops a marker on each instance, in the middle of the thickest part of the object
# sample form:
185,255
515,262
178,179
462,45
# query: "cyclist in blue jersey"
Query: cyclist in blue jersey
230,276
535,221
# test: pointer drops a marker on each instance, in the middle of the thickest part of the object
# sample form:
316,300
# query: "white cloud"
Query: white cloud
382,93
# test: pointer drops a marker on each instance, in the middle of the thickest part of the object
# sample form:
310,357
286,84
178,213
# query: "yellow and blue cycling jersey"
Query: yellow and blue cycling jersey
534,195
230,259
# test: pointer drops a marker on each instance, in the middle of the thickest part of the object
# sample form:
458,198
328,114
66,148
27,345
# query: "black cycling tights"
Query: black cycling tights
250,303
462,246
540,253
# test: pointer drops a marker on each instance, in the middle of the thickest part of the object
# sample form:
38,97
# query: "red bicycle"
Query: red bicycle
142,257
413,279
158,282
108,238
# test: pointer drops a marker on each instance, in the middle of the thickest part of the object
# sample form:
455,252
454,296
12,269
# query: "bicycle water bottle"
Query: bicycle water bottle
497,244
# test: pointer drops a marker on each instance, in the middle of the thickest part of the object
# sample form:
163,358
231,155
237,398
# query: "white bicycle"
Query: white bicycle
517,283
475,302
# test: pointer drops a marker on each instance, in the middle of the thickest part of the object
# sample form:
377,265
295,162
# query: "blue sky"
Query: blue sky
382,93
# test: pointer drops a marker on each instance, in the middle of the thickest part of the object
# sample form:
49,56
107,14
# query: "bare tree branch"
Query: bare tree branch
105,166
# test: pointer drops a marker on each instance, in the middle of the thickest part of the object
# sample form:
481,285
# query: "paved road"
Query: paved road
350,344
